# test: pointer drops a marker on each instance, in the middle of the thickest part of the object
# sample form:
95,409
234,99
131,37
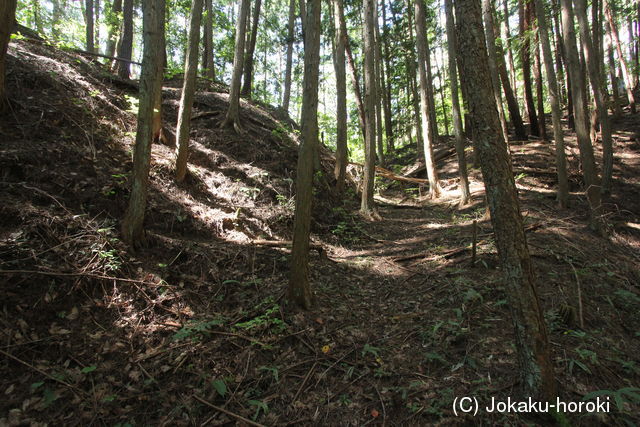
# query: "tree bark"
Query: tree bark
379,91
426,105
88,19
207,58
341,101
532,343
537,76
593,66
290,39
367,205
125,47
617,109
589,172
232,117
525,55
299,286
113,22
512,102
150,86
458,132
7,18
489,31
388,122
413,85
248,61
554,98
623,63
188,87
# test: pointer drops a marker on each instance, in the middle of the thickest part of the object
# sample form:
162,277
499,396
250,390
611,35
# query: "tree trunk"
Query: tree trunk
232,117
367,206
512,102
465,195
379,93
532,343
89,28
7,18
113,22
56,14
125,47
591,58
489,31
623,64
355,79
341,102
388,123
299,286
426,106
537,75
413,85
525,55
290,39
248,61
617,110
591,180
554,98
188,87
507,31
207,59
150,86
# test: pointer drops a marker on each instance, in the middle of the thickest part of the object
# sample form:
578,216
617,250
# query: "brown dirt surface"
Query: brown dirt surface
194,330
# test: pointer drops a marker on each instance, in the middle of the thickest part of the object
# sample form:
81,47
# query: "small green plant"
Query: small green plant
194,330
344,400
271,369
369,349
260,407
220,386
620,396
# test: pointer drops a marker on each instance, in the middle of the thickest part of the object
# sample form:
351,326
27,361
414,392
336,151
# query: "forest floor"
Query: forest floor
195,330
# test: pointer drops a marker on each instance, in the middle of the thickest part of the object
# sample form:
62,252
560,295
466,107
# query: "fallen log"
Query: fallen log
288,244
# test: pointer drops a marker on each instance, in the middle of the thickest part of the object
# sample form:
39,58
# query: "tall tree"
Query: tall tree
88,17
290,39
367,206
512,102
248,60
299,286
386,76
611,19
593,66
125,46
526,8
487,12
379,92
455,105
617,109
113,22
341,101
207,56
188,87
532,342
153,12
425,103
232,117
589,172
554,98
7,17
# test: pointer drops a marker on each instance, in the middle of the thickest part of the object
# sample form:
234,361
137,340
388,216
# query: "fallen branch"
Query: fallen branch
287,244
114,58
386,173
226,411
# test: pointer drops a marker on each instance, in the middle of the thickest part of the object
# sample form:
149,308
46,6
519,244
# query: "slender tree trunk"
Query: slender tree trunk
233,114
96,24
379,92
88,19
537,75
532,342
623,64
426,105
388,123
512,102
591,180
591,58
299,286
489,31
355,79
413,85
188,87
458,132
367,206
554,98
125,47
507,31
7,18
150,85
56,14
37,16
290,39
617,110
207,58
341,102
525,55
113,21
248,61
